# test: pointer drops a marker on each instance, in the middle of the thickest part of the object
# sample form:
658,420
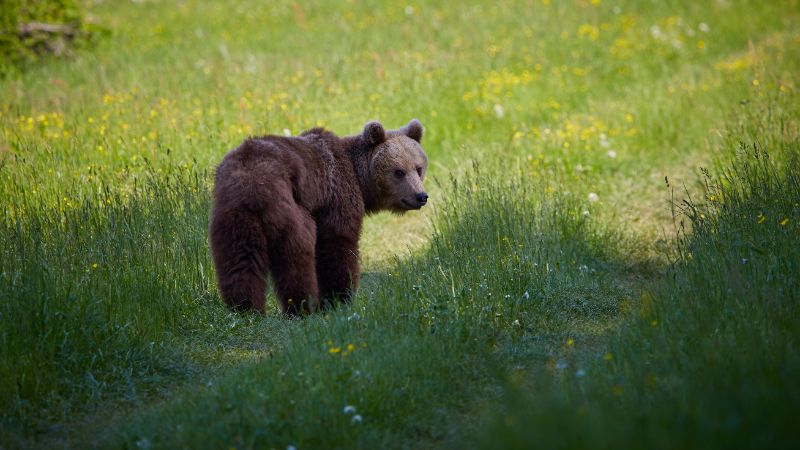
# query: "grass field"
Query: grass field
610,257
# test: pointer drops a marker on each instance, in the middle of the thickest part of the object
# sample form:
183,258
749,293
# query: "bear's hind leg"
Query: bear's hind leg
291,252
337,268
239,249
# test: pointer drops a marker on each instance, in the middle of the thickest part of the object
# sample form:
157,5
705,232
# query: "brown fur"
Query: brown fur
293,207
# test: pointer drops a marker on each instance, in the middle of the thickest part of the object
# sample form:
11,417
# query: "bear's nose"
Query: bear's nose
422,198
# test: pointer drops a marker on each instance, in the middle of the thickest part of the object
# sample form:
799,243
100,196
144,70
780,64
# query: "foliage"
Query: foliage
29,29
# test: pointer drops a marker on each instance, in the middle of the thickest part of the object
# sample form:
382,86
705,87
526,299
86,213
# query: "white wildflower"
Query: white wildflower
287,132
349,409
356,419
704,27
593,197
656,32
611,154
499,111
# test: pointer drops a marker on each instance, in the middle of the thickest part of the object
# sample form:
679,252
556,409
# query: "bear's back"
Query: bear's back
262,167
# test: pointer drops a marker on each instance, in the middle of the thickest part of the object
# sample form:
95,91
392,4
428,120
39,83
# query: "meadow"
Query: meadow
609,257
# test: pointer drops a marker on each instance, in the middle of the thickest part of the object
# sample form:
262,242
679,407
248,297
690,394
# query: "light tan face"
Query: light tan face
399,165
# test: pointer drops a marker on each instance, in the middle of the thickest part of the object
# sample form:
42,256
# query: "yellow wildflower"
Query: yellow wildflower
589,31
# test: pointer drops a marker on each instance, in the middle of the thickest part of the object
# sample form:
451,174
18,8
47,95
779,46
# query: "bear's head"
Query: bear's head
397,166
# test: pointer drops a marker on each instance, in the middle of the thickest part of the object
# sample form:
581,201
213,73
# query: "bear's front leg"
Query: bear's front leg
337,267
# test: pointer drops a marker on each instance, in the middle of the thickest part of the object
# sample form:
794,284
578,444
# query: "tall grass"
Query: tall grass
709,359
506,260
90,286
424,342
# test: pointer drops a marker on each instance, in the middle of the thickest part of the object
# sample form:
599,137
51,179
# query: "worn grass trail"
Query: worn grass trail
112,332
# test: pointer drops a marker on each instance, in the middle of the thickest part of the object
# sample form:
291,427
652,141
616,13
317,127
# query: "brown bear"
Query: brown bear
293,207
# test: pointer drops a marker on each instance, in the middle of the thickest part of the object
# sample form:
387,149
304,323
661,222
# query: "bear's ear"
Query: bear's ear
413,130
374,133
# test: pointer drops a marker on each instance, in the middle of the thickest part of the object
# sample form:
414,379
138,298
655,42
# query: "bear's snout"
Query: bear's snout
422,198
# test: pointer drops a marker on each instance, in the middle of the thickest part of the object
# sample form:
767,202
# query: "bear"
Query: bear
292,208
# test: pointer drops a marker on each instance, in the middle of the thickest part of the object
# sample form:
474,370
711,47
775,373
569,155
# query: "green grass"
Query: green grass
708,359
474,315
423,337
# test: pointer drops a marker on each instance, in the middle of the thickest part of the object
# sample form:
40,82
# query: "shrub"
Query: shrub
32,29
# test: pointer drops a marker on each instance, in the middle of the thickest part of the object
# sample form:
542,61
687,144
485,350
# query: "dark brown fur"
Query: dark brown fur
292,207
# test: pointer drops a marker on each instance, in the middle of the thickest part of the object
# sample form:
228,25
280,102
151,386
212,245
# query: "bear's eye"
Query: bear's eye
399,173
419,171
